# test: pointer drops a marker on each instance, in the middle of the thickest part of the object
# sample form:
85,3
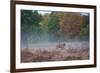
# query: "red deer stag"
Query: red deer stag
60,45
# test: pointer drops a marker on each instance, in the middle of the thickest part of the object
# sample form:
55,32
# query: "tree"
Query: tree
26,23
53,27
71,23
84,33
29,26
44,26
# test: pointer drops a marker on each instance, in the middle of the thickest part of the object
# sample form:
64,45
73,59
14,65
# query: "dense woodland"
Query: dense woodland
54,26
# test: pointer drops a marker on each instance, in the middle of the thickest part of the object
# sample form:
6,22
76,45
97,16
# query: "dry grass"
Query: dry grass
40,55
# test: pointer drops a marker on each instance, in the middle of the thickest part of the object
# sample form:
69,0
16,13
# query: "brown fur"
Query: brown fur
60,45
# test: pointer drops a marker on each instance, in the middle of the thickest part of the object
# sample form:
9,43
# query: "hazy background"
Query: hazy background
44,29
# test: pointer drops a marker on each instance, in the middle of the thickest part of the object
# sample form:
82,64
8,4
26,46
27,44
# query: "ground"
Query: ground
55,54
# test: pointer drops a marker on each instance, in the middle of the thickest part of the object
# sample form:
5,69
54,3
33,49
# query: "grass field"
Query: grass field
43,55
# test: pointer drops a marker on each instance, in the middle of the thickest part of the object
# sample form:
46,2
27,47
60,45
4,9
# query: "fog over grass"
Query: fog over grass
52,45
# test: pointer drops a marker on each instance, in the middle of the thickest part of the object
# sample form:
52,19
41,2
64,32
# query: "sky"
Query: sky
44,12
48,12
